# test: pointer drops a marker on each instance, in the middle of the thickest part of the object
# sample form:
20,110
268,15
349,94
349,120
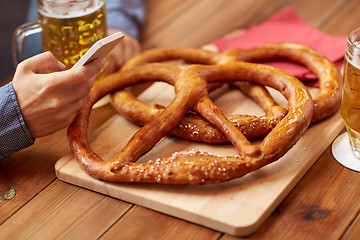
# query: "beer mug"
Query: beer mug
350,105
68,28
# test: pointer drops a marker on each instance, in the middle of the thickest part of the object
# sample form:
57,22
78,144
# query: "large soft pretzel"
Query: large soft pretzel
194,128
191,88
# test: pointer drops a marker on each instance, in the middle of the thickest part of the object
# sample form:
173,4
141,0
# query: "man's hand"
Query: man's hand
48,96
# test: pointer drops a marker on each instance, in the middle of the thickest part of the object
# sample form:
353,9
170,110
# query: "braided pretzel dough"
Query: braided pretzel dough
194,128
191,86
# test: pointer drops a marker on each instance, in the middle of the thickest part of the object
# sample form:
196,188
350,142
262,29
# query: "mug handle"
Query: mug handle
19,35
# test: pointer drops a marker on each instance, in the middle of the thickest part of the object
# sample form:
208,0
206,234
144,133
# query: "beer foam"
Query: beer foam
63,9
355,56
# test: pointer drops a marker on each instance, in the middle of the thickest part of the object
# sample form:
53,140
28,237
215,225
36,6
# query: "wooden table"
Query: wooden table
34,204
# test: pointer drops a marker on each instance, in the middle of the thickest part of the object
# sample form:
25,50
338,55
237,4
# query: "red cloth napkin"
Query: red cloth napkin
286,26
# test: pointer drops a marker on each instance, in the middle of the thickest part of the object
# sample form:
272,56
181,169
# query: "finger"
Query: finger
80,75
73,107
128,49
60,119
77,92
111,67
42,63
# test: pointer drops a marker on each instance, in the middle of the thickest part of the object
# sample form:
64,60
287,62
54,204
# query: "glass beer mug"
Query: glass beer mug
350,105
68,28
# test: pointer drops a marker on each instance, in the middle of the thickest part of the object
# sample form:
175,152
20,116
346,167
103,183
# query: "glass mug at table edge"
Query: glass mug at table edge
350,104
68,28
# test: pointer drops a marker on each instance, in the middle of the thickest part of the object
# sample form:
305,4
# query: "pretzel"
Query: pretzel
329,99
191,87
194,128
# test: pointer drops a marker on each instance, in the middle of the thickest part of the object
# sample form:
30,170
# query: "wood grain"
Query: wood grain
200,18
165,227
31,172
62,204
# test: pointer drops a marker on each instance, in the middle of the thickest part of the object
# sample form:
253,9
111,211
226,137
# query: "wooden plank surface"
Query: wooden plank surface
327,194
165,227
58,216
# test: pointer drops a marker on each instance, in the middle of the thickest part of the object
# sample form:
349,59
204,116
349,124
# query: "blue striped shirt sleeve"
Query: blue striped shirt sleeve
14,135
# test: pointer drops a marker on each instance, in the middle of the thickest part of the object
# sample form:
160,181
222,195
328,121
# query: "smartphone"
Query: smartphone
100,49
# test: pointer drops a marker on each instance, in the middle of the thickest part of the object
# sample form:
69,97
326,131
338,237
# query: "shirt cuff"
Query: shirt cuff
14,134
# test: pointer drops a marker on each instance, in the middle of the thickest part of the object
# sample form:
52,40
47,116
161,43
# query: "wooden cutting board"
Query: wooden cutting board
237,207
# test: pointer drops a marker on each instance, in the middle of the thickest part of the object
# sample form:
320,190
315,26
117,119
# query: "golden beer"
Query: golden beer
69,32
350,105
